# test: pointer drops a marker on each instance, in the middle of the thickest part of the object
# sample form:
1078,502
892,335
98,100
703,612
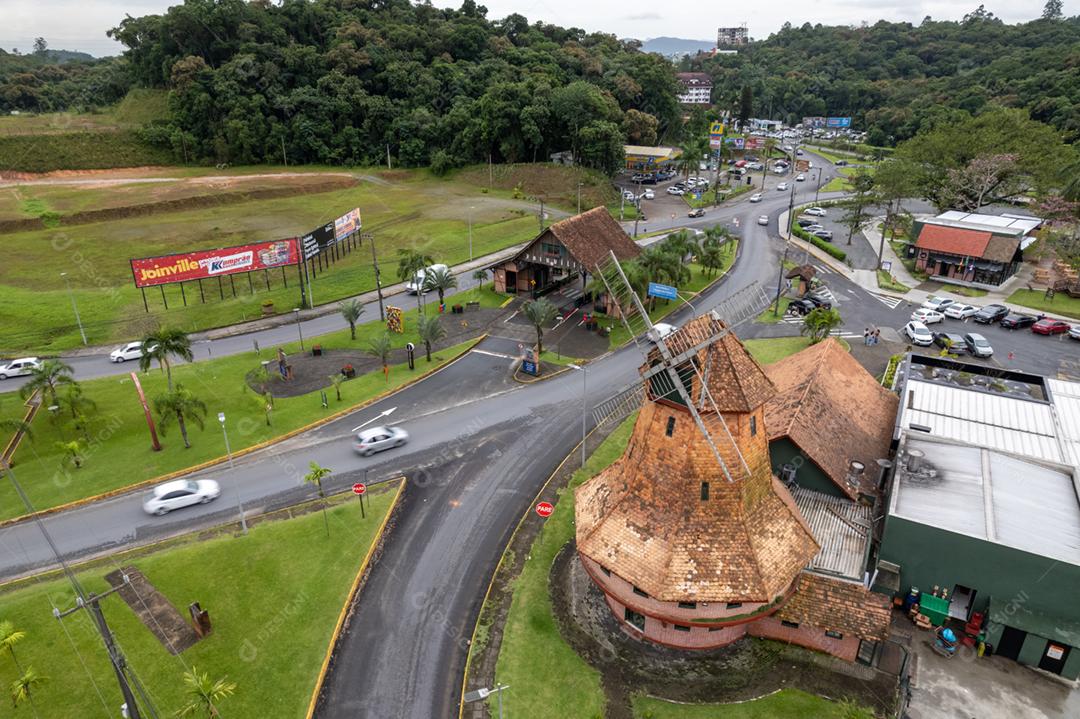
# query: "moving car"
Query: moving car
815,211
416,284
19,367
977,345
697,212
180,493
801,307
990,314
763,220
130,351
841,163
950,341
937,304
800,177
673,190
782,186
927,317
960,311
1017,321
918,333
661,330
1050,327
756,197
377,439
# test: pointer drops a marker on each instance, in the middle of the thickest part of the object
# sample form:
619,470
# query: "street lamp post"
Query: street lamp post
584,388
817,187
299,330
470,232
481,694
579,198
228,451
75,307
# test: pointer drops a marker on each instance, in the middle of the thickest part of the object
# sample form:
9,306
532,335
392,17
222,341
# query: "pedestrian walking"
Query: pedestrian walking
877,335
866,336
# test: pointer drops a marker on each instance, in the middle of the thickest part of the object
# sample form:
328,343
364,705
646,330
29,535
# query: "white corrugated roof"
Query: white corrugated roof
842,529
1012,223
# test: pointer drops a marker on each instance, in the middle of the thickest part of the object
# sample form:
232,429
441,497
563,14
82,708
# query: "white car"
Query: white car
416,284
648,195
674,191
130,351
782,186
661,330
927,317
763,220
180,493
960,311
19,367
938,304
815,211
377,439
756,197
918,333
800,177
628,195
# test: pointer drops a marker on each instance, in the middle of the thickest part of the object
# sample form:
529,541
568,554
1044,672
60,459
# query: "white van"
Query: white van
416,284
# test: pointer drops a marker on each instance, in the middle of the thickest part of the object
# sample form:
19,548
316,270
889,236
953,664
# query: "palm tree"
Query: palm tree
181,405
9,637
163,344
23,687
74,402
46,377
351,311
204,695
411,262
315,476
539,313
819,322
711,258
72,452
430,330
480,276
439,279
15,426
381,347
336,380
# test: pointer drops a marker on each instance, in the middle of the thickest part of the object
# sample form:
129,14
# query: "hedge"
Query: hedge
817,242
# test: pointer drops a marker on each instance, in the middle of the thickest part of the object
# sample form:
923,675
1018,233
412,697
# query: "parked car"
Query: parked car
805,222
130,351
815,211
19,367
628,195
377,439
960,311
648,195
841,163
977,345
799,151
801,307
696,212
1017,321
990,314
416,284
927,317
661,330
763,220
180,493
937,304
1050,327
756,197
918,333
782,186
823,234
814,228
673,190
800,177
950,341
818,299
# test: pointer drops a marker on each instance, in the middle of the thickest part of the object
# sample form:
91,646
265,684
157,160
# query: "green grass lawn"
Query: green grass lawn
118,453
784,704
769,317
837,184
405,209
555,358
1062,304
547,678
968,291
274,597
888,282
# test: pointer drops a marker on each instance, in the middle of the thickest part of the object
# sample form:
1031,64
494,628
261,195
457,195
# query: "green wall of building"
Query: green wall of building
783,451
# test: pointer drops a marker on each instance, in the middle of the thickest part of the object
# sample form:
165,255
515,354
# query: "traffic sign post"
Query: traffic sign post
544,509
664,292
359,489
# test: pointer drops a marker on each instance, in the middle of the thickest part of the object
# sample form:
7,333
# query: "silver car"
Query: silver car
377,439
180,493
19,367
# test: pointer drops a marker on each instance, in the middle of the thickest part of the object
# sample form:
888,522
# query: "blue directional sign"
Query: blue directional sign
664,292
838,122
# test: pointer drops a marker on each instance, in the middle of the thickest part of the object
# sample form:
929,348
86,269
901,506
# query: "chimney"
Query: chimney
915,460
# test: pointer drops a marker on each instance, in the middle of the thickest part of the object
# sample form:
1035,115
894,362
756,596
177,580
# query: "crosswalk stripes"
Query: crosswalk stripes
891,302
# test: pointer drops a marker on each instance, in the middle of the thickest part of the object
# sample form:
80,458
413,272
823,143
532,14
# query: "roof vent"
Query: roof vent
856,467
919,427
915,460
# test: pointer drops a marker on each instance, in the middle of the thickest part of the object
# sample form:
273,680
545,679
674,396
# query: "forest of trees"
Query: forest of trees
896,78
51,81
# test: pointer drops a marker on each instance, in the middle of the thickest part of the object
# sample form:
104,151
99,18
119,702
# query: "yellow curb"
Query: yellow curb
375,542
508,301
240,452
472,638
534,380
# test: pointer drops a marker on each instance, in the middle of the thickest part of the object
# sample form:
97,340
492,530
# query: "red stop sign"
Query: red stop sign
544,509
359,488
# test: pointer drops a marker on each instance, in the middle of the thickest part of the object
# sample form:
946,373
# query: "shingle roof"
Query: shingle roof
833,410
839,606
953,240
1001,249
589,237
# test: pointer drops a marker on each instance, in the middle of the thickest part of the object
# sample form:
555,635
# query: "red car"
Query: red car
1050,327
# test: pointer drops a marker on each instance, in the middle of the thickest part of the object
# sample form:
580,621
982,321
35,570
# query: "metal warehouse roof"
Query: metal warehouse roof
1000,224
842,529
1066,397
1016,502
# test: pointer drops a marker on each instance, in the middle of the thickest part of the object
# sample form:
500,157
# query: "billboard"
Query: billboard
203,264
838,122
754,143
346,225
813,122
736,142
318,240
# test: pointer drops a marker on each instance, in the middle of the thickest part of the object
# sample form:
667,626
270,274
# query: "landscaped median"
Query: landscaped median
116,454
274,596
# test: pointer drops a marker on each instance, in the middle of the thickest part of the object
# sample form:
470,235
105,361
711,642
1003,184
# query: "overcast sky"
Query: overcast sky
81,24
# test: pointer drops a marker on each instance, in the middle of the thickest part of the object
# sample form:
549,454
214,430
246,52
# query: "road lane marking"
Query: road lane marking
494,354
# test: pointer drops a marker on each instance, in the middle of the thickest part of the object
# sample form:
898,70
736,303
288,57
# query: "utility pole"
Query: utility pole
780,283
284,157
541,214
75,307
378,282
470,234
388,156
579,198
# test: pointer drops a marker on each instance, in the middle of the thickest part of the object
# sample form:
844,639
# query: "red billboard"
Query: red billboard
203,264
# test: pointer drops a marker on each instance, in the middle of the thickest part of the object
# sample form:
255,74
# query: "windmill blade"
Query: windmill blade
620,405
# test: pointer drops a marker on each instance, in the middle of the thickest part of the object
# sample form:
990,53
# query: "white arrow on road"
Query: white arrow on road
384,413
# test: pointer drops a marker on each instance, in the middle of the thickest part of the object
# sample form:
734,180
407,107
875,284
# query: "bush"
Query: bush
818,242
441,162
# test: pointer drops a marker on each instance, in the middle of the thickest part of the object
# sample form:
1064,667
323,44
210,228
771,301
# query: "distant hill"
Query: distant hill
676,46
68,55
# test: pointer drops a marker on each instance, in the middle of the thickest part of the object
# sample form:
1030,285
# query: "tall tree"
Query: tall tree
47,377
1052,10
163,345
351,311
746,106
381,347
181,406
430,330
410,263
539,312
316,475
204,694
856,204
440,279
